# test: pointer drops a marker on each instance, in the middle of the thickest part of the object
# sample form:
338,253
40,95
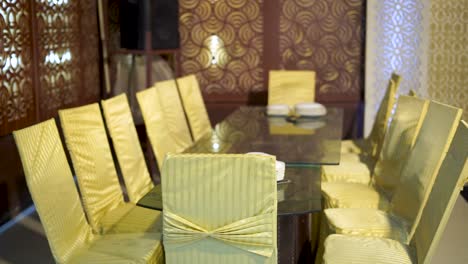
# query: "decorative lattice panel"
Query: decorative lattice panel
325,36
58,27
16,86
222,43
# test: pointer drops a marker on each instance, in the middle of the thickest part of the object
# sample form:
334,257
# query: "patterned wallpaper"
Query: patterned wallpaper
222,42
327,37
448,69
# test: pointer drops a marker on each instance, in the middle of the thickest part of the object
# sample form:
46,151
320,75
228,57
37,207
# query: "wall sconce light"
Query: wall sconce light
215,44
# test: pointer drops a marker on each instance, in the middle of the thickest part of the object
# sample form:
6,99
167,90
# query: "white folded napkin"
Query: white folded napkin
280,166
310,109
278,110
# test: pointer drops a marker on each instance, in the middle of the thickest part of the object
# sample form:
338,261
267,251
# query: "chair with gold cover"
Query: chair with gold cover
291,87
440,202
399,217
219,208
103,200
417,171
401,135
57,202
371,145
165,120
194,106
119,121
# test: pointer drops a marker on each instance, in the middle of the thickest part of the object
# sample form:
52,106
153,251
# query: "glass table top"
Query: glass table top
296,141
298,193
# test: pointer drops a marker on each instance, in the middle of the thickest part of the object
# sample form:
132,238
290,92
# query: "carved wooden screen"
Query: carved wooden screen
49,59
17,101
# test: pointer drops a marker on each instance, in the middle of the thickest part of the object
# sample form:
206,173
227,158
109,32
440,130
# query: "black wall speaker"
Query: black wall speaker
161,17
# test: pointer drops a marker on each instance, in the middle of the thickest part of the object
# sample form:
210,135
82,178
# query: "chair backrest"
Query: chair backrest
399,139
52,188
194,106
291,87
164,118
424,161
446,189
219,208
127,147
379,128
87,142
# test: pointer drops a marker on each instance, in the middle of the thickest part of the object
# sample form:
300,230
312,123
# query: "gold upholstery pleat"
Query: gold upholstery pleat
164,118
194,106
57,202
435,215
124,136
291,87
219,208
102,196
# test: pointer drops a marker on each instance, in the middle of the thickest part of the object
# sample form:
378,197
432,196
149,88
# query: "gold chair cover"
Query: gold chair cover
127,146
164,118
219,208
291,87
435,215
103,201
57,202
194,106
371,145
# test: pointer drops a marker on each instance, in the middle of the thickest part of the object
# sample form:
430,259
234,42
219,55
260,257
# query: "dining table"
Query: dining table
304,144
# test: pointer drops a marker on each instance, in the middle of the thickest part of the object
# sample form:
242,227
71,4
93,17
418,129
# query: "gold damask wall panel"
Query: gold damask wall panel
222,43
325,36
448,55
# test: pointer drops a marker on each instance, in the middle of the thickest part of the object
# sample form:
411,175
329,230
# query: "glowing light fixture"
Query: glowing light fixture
214,46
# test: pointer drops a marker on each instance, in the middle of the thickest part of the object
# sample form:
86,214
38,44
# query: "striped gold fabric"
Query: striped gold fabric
164,118
124,136
51,185
102,196
342,249
291,87
194,106
219,208
58,204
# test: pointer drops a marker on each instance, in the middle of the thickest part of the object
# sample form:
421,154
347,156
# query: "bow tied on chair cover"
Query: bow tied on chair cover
251,234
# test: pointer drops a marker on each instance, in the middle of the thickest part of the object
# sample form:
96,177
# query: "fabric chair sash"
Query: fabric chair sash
251,234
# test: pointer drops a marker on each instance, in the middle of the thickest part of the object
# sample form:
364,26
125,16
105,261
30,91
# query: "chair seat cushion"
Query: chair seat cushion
122,248
153,199
355,249
129,218
352,146
366,222
352,195
354,172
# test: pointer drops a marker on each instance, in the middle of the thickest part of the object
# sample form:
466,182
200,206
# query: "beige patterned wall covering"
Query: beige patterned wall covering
448,68
327,37
222,42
